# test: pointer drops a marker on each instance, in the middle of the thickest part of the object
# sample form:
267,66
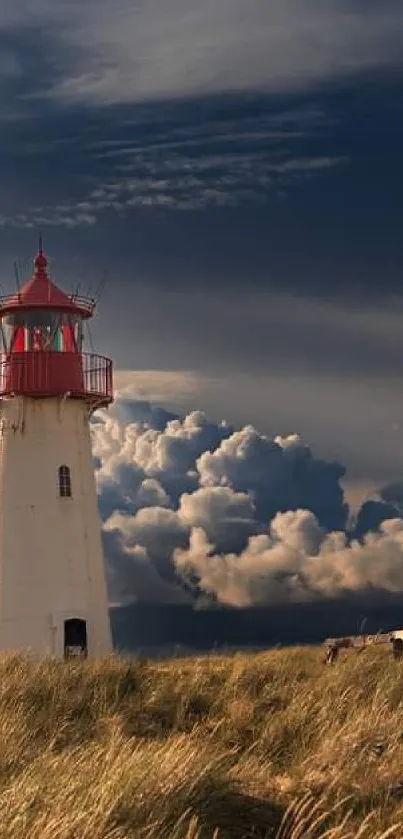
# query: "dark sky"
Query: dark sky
236,168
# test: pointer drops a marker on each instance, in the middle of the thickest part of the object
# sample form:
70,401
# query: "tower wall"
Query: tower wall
51,558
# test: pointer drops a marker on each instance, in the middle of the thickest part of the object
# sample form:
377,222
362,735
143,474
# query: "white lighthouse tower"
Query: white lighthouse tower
53,597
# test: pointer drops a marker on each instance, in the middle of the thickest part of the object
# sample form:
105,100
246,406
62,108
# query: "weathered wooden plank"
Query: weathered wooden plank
350,641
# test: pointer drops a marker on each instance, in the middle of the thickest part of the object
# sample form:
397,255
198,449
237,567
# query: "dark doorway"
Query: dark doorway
75,638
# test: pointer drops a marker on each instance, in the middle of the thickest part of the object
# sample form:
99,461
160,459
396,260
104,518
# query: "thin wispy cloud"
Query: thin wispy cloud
245,181
192,165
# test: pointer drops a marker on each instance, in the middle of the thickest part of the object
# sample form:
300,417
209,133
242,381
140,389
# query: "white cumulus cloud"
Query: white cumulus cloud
296,561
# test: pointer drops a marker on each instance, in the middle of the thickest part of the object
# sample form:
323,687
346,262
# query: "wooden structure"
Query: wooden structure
361,642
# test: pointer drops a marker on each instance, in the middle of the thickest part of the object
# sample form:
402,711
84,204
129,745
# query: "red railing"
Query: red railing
80,304
40,373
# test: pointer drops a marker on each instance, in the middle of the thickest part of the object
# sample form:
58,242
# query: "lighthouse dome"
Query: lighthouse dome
40,292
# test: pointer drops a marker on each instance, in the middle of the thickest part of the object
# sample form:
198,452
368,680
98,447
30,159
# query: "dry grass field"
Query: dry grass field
266,745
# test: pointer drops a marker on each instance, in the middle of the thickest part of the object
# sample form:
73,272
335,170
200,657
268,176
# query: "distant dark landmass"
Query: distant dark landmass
150,628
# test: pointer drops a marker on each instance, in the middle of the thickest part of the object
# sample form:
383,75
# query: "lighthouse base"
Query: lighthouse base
53,598
60,637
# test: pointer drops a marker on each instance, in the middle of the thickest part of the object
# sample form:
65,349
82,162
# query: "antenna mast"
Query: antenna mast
17,279
101,287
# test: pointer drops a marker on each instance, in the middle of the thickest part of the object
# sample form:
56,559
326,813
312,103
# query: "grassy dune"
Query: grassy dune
268,745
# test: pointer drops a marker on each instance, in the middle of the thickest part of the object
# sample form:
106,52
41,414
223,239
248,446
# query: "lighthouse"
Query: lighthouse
53,595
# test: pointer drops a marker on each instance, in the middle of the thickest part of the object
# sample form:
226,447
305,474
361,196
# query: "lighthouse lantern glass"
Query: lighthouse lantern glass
46,330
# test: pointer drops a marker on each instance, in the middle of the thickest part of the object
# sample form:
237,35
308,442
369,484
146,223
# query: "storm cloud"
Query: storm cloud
191,506
131,52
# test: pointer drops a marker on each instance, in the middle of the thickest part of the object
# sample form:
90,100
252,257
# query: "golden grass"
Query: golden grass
267,745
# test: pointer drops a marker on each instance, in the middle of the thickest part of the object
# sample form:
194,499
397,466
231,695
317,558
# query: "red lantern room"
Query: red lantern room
42,334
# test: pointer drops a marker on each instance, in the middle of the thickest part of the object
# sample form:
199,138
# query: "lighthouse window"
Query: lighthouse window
64,482
41,330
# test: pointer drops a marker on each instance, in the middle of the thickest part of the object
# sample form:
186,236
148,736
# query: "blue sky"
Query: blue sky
236,169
